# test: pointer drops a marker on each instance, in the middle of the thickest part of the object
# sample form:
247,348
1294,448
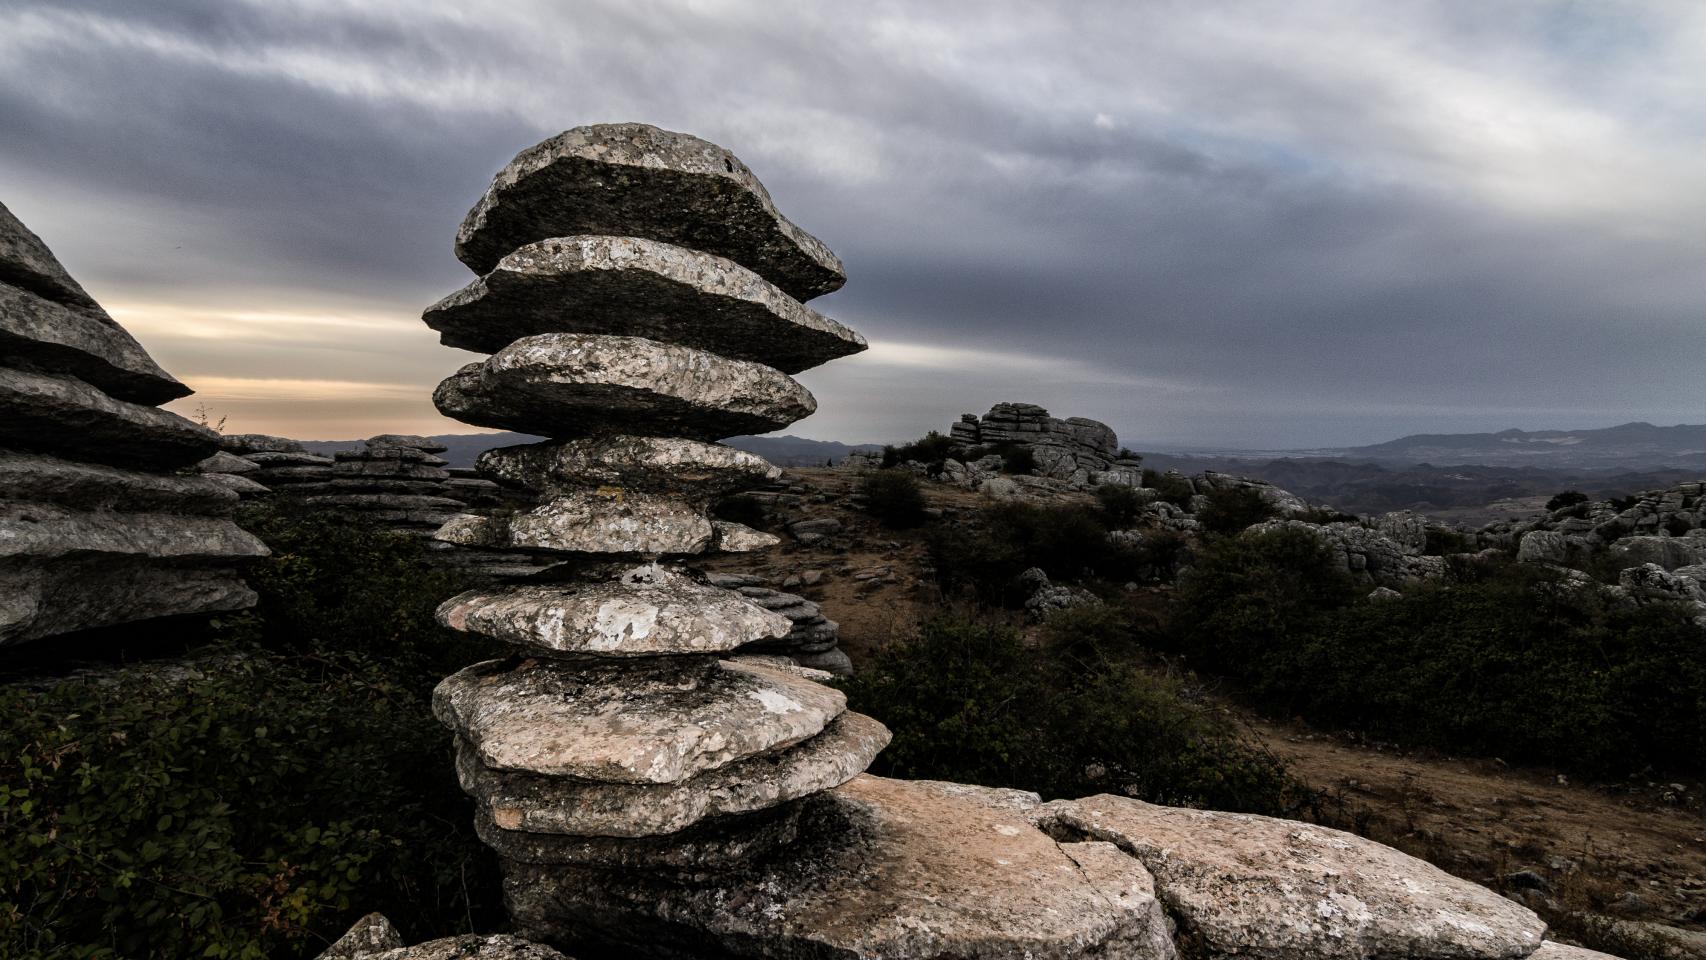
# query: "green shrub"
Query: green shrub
1018,459
931,450
1568,498
1069,542
1232,509
1442,542
1169,487
893,497
974,703
257,810
1121,505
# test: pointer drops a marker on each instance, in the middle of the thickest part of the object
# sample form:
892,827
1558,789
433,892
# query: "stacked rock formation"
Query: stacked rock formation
97,527
812,640
283,464
1077,450
395,480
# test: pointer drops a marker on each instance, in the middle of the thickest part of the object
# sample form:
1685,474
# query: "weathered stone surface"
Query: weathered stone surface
396,469
64,415
1667,552
229,463
586,522
647,611
271,459
83,342
370,934
1559,951
568,384
242,486
1280,890
630,286
383,501
625,725
25,261
546,805
49,531
95,487
244,444
888,869
692,468
712,844
416,441
46,597
633,179
728,537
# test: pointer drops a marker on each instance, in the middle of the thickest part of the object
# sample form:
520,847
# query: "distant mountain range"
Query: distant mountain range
1630,446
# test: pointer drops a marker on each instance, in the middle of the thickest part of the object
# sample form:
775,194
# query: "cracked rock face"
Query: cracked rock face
693,469
1281,890
646,612
617,726
633,179
567,384
629,286
525,806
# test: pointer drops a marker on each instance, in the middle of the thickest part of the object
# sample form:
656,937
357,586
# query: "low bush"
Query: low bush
1568,498
931,450
1169,487
893,497
1018,459
974,703
988,552
1232,509
1443,542
1121,505
256,808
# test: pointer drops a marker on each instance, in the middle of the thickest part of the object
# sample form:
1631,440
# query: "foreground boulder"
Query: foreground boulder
374,938
98,526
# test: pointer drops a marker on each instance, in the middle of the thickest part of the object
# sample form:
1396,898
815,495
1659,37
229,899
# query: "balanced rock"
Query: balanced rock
647,611
629,286
633,179
1256,886
567,384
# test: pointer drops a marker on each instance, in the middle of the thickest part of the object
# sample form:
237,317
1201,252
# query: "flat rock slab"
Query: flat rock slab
25,261
1261,887
83,342
44,598
629,286
693,468
591,523
711,844
633,179
423,444
648,611
288,458
570,385
1560,951
244,444
538,815
889,869
50,531
228,463
96,487
626,725
58,414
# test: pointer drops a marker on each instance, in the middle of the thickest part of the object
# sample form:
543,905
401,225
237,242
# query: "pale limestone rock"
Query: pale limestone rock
82,342
371,934
587,522
647,611
631,286
730,537
25,261
1559,951
1273,889
627,724
694,469
570,384
524,804
882,869
715,843
633,179
48,531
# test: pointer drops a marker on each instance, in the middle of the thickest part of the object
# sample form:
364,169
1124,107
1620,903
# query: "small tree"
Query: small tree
1568,498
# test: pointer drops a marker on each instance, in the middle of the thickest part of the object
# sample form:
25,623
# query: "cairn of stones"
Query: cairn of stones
100,521
641,299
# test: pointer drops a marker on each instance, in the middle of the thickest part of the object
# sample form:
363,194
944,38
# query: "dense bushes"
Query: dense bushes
1069,542
1231,509
1121,505
1500,662
930,449
893,497
255,810
1568,498
974,703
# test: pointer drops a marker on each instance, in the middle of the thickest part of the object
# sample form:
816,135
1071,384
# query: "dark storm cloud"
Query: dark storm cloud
1215,222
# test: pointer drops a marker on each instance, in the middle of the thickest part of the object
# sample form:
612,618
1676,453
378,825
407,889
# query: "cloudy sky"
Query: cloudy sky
1206,223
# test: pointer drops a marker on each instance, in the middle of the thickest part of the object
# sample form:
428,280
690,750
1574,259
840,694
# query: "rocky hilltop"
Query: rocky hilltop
102,521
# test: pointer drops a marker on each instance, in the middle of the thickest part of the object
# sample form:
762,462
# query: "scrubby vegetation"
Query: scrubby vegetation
1231,509
296,781
1069,716
893,497
1500,661
930,450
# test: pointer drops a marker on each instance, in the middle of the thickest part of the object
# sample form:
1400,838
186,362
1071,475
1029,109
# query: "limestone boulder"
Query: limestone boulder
48,597
82,342
49,531
62,415
531,811
635,180
565,385
590,523
374,938
1250,886
647,611
692,468
621,724
631,286
1667,552
881,869
96,487
26,262
244,444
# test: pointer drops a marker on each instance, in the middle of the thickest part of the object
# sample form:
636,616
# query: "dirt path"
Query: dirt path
1636,851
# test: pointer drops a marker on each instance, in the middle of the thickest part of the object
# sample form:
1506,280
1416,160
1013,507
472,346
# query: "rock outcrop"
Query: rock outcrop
1077,451
100,521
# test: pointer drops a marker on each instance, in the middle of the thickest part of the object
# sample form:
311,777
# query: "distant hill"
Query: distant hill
782,451
1630,446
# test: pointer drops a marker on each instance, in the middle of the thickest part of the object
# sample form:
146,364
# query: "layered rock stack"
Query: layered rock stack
283,463
395,480
1076,451
813,640
97,524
